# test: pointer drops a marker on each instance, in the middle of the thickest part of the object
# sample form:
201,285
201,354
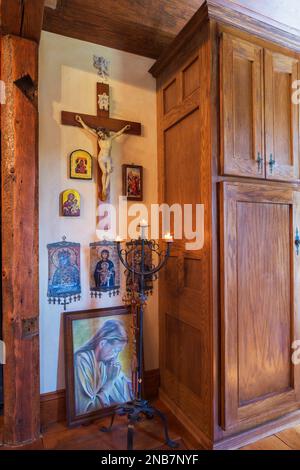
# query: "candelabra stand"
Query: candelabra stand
136,261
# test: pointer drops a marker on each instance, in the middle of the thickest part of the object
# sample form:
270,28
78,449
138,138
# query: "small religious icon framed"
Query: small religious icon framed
133,182
81,165
70,203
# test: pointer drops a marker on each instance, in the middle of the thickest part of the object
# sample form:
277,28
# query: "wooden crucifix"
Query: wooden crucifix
100,127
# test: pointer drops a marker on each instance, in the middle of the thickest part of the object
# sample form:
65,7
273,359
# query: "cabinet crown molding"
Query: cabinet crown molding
234,15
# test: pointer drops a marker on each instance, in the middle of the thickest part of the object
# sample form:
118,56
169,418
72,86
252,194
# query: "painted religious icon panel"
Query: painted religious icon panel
100,362
104,269
71,203
133,182
64,285
81,163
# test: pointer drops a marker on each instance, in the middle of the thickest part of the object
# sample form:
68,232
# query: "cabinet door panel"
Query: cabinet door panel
260,318
242,108
282,118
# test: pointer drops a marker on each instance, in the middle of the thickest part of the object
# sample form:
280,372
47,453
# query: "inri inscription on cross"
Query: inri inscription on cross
101,126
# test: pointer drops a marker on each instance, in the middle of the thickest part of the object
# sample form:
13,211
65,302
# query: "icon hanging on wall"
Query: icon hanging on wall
63,273
133,182
104,269
71,203
81,163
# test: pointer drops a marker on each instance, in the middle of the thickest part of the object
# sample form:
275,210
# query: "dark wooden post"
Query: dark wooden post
19,126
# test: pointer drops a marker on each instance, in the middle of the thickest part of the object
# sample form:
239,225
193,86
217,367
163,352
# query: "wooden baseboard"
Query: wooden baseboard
53,404
258,433
53,407
236,441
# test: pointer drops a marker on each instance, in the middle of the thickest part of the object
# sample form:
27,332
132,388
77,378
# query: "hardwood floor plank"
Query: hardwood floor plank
291,437
269,443
148,435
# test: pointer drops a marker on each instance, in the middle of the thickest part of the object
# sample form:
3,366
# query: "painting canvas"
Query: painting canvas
71,203
133,182
81,165
100,362
104,268
63,272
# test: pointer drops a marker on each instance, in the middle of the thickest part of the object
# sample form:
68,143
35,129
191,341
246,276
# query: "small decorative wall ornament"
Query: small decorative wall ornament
102,65
71,203
104,269
81,163
103,102
63,273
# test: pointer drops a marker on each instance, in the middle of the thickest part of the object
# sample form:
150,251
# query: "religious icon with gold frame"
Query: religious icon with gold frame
70,203
81,165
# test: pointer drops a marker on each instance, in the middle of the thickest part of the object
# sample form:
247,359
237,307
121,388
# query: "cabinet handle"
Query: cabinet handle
259,162
297,241
272,163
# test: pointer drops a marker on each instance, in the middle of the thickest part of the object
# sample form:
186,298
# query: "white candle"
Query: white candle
143,223
168,237
118,239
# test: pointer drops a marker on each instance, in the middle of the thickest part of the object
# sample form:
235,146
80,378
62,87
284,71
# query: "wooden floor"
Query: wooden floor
284,440
148,435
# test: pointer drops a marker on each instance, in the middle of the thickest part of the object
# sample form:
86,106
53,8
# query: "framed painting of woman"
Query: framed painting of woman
100,362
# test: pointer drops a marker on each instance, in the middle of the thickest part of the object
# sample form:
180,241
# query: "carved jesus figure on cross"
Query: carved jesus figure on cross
101,126
105,140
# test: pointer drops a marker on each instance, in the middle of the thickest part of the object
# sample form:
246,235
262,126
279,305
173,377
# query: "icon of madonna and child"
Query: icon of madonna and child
102,358
105,268
64,269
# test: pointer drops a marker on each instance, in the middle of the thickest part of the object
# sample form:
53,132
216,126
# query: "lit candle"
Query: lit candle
118,239
168,237
143,223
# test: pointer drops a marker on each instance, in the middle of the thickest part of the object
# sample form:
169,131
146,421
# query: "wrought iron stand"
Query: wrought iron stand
139,407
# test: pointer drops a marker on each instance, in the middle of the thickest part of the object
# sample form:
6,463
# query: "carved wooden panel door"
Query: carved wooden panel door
261,302
185,319
281,117
242,123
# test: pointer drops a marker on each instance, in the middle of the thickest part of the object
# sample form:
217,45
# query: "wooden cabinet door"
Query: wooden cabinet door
242,149
261,303
281,117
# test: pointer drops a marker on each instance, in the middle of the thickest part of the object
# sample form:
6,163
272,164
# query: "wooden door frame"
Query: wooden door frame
21,24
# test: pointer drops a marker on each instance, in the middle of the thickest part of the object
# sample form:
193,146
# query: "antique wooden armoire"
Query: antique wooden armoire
228,137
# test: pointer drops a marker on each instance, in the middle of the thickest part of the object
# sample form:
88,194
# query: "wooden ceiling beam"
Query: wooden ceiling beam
111,32
23,18
139,27
162,15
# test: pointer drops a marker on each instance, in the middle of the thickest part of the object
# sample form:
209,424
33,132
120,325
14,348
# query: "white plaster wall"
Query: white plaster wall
68,82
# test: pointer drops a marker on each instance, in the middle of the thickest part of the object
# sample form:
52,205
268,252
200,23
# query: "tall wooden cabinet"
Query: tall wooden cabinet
228,138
